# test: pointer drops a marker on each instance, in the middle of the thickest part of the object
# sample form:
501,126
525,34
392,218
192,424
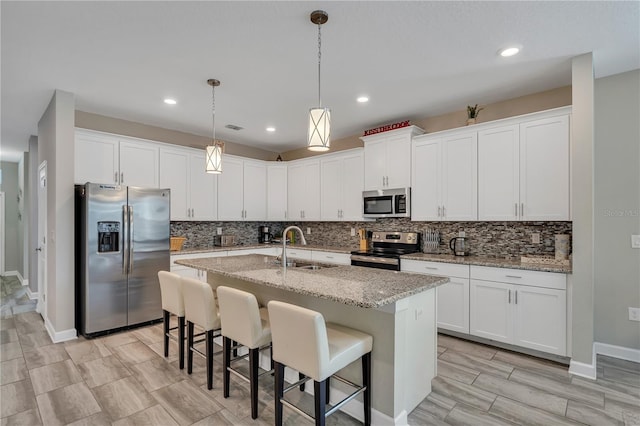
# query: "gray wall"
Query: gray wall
32,192
10,189
617,208
582,208
23,208
56,146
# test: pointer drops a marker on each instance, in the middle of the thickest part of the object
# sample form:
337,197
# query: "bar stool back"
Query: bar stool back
246,323
172,303
303,341
201,310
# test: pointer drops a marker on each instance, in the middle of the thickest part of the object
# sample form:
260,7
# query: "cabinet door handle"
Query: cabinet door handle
513,276
521,209
516,211
438,211
285,214
509,296
193,213
516,297
443,212
121,177
115,177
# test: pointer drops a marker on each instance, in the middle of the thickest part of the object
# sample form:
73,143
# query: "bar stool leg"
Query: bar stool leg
166,317
300,377
328,389
253,380
279,391
209,340
226,363
366,381
189,346
320,393
181,342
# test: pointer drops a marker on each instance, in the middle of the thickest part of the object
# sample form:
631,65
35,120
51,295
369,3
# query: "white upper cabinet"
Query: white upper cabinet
544,169
342,185
387,158
444,183
255,190
242,189
193,191
96,158
277,191
523,171
106,158
303,195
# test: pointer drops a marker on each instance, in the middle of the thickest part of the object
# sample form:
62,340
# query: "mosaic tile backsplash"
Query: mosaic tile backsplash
496,239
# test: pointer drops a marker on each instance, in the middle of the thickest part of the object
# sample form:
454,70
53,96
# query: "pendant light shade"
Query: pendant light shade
213,154
319,136
319,129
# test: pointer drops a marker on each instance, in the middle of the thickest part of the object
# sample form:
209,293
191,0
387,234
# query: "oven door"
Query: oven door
372,261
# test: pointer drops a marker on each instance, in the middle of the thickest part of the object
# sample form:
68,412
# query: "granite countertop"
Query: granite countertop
489,261
350,285
211,249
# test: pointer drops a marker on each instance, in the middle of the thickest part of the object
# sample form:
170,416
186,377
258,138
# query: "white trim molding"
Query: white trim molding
59,336
589,370
32,295
619,352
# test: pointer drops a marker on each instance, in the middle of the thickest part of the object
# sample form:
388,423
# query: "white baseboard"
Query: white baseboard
33,295
583,370
614,351
59,336
11,273
589,370
25,282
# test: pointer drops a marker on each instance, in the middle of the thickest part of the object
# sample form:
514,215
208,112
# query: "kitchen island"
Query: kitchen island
398,309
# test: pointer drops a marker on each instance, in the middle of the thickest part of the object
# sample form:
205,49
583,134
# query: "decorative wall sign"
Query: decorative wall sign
386,128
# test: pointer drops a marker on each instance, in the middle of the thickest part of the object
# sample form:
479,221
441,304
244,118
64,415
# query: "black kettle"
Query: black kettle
458,246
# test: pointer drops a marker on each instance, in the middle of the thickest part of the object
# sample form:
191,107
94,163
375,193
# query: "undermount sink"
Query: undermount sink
307,265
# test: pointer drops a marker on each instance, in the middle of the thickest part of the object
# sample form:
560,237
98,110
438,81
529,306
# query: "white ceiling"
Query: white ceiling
413,59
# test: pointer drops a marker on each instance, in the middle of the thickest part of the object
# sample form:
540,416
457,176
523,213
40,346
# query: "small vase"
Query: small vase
471,121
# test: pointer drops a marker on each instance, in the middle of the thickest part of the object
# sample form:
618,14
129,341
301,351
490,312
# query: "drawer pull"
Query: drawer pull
513,276
431,267
329,257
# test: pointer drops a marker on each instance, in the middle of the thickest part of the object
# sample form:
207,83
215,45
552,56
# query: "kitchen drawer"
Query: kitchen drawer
298,254
435,268
520,276
331,257
267,251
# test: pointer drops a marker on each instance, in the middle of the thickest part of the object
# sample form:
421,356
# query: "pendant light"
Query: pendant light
319,118
213,160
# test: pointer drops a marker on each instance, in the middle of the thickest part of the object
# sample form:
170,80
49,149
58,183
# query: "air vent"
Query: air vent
233,127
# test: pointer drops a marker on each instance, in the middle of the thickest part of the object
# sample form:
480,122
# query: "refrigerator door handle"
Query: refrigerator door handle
131,248
125,239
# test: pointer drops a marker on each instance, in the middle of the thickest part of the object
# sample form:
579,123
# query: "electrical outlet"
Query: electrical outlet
635,241
353,232
462,234
535,238
219,230
308,230
634,314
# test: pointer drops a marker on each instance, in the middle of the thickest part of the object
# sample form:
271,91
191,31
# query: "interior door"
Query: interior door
42,240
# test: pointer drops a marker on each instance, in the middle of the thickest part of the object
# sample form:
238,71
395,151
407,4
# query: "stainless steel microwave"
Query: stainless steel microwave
387,203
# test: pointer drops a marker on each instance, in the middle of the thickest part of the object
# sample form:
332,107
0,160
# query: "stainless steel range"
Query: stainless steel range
387,247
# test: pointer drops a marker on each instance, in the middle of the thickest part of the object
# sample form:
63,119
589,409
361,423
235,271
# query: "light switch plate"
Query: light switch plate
308,230
634,314
219,231
353,232
635,241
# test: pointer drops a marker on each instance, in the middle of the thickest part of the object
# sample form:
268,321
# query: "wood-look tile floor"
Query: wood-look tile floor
123,379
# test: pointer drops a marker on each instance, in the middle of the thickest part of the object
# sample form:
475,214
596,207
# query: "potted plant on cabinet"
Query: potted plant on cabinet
472,113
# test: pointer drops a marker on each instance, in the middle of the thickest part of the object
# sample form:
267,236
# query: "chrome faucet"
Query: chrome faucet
283,257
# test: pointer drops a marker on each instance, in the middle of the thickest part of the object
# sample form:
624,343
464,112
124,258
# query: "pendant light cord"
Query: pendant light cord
319,60
213,113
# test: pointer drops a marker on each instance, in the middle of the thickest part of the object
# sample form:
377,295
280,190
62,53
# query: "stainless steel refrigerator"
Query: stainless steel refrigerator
122,241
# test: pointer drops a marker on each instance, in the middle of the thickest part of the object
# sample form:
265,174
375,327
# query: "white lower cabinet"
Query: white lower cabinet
452,297
331,257
523,308
185,271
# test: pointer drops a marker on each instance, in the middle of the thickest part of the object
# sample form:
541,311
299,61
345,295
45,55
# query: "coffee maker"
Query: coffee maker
263,235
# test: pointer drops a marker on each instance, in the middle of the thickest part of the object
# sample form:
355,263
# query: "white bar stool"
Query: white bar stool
303,341
248,324
172,303
200,309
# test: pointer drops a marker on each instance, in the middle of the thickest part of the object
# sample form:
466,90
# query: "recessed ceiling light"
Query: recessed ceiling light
170,101
271,129
509,51
362,99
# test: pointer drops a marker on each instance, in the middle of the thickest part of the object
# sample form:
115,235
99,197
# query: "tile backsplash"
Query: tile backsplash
496,239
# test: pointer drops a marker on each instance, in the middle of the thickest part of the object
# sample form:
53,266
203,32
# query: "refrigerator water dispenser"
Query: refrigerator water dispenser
108,237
